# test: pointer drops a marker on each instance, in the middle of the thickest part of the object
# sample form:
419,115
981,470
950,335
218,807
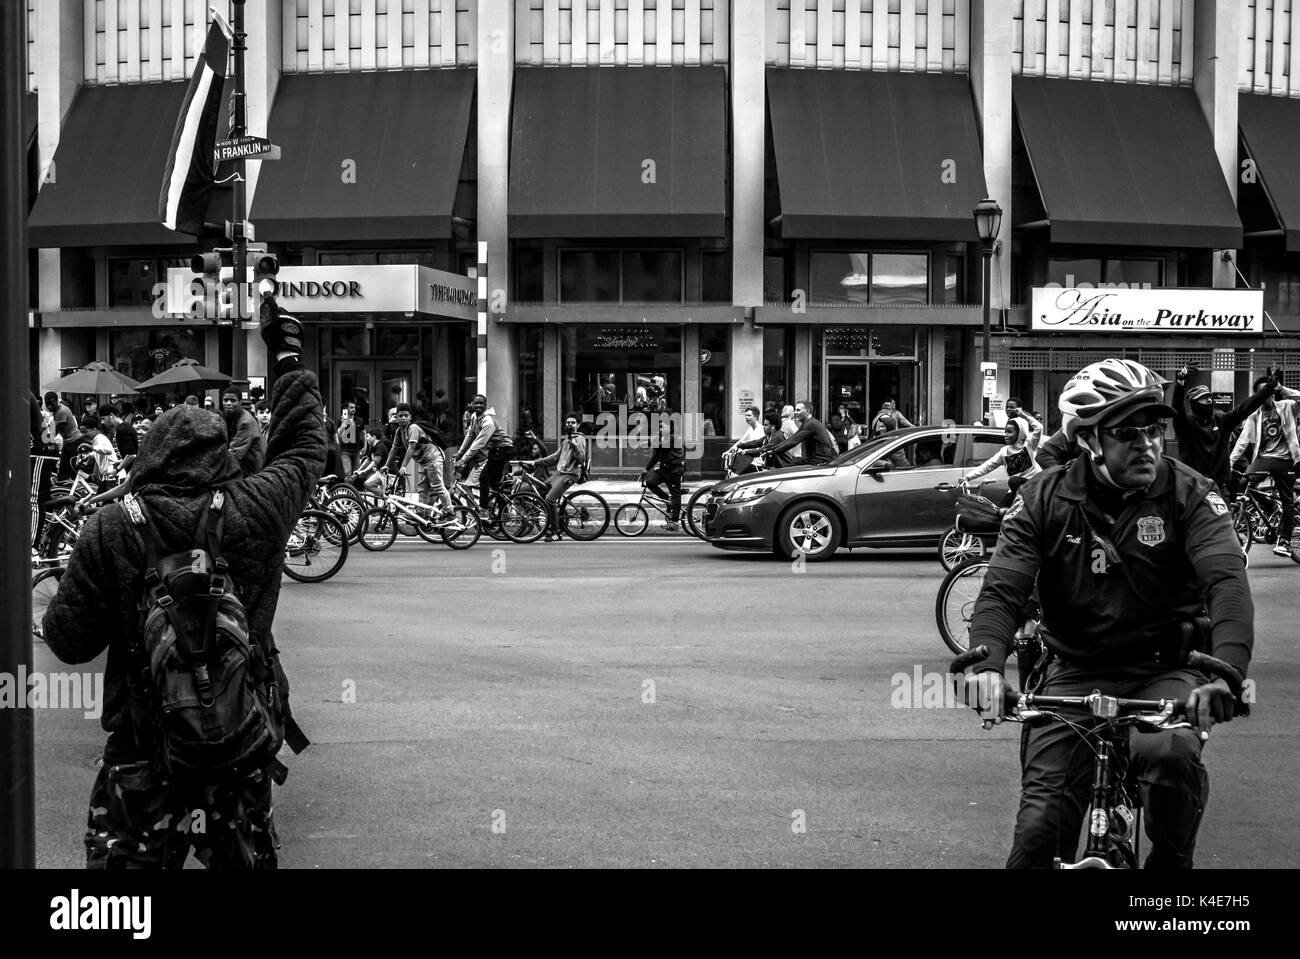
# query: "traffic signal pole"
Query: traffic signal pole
17,729
238,338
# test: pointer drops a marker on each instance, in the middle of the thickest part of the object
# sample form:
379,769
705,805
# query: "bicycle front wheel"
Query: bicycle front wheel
345,504
956,603
956,547
523,517
584,515
44,585
317,547
378,531
462,530
631,519
696,508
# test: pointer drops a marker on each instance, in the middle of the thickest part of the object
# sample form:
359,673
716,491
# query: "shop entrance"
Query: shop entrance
861,387
375,385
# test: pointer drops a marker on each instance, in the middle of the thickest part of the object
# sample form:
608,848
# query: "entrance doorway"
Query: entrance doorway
862,387
375,385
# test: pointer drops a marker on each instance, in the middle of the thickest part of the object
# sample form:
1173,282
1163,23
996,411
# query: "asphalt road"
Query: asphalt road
659,703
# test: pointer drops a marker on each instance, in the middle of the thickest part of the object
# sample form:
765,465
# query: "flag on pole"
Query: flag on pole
190,172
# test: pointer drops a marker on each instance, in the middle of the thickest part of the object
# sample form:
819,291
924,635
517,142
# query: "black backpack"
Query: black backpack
206,697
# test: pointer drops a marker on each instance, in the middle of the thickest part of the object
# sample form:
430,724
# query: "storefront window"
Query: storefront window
344,341
1281,288
1139,274
954,285
589,276
652,276
713,379
715,276
778,366
774,279
893,341
145,352
1089,272
862,278
397,341
529,282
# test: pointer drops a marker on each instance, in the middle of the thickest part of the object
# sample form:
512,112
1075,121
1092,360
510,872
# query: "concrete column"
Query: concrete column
746,373
748,137
496,30
990,80
1216,60
691,394
934,360
802,364
59,71
264,25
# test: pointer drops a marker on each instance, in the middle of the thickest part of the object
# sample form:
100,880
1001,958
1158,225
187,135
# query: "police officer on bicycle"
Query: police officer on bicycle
1126,546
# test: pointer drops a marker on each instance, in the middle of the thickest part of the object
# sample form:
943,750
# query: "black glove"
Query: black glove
281,331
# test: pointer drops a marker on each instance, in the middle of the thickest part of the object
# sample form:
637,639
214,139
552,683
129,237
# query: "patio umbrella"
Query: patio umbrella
94,378
185,374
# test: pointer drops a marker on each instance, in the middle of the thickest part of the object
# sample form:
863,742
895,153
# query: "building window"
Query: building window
131,281
529,286
954,279
603,368
715,276
143,353
621,276
774,285
868,278
1281,288
1090,272
589,276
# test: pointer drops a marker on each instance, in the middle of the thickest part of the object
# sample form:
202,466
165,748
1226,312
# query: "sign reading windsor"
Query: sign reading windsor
1102,310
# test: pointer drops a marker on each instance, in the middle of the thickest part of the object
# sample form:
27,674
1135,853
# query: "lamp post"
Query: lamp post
988,221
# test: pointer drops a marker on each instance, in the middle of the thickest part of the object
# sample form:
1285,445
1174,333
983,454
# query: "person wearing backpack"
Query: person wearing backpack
421,444
195,702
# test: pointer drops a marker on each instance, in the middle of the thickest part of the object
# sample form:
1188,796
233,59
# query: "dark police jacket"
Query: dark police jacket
1115,586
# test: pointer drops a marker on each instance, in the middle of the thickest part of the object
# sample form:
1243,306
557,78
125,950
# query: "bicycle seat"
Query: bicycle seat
328,479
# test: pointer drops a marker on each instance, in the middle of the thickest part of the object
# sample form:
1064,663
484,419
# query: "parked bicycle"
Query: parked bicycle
1113,819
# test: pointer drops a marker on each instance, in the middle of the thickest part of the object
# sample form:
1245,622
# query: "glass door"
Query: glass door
376,386
846,390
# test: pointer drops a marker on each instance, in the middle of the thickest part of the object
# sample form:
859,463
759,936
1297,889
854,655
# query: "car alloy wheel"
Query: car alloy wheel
809,531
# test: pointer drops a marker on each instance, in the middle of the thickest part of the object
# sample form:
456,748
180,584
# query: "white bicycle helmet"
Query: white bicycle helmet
1108,390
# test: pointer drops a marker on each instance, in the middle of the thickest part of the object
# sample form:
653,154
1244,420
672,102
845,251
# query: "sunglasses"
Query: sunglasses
1129,434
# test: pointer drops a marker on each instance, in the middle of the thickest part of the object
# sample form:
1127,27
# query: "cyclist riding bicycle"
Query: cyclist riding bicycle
486,442
1126,547
664,469
571,460
1023,433
762,455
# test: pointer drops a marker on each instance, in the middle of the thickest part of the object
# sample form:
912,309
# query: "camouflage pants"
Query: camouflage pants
140,820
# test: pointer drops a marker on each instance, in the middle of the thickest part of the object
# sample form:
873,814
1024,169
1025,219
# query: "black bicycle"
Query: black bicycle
1114,816
1257,513
317,547
580,514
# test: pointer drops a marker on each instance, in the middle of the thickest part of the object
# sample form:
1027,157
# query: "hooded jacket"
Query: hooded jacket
1250,432
1019,457
182,458
484,433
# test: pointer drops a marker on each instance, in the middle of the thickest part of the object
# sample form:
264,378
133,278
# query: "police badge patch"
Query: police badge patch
1151,530
1217,504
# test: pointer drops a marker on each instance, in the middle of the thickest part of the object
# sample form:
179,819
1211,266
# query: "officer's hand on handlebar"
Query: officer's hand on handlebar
1210,704
993,688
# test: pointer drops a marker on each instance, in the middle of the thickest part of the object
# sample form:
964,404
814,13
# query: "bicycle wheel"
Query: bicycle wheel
956,602
696,508
583,515
462,530
523,517
44,585
317,547
345,504
631,519
956,548
1243,525
378,531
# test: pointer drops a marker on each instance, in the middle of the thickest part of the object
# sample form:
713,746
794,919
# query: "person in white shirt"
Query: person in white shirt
751,438
1023,433
1271,429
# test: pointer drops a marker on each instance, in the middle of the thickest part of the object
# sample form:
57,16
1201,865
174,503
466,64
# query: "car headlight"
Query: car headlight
745,494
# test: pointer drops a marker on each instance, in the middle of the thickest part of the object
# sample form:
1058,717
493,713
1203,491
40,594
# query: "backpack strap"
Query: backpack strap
210,530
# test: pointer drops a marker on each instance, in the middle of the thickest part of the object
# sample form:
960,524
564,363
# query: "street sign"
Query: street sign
245,148
990,371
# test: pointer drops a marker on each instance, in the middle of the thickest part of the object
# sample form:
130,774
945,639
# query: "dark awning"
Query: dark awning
1125,164
1270,127
365,156
581,139
103,186
29,118
864,155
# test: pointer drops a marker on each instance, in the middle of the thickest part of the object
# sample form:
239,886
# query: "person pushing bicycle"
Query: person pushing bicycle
1126,546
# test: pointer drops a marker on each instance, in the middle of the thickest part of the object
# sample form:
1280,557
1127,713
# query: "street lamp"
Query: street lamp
988,221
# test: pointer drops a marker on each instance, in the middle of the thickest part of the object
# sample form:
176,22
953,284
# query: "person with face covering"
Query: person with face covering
1204,433
1023,433
247,444
182,460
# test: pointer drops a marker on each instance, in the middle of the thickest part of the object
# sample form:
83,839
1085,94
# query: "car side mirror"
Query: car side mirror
879,467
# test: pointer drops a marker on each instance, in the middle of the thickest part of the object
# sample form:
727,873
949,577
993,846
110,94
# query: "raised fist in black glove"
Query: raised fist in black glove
281,331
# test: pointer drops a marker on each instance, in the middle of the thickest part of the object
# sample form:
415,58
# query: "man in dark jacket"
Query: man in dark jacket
664,468
1204,433
247,445
818,444
138,816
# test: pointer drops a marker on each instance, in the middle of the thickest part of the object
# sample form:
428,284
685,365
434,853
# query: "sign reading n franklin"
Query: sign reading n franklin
1102,310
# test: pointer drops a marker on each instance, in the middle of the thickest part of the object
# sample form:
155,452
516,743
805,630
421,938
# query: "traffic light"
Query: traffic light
265,268
218,293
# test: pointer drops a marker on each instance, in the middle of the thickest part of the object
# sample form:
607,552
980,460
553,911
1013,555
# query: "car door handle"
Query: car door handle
945,487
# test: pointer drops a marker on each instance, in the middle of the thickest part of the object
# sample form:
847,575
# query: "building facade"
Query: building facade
697,205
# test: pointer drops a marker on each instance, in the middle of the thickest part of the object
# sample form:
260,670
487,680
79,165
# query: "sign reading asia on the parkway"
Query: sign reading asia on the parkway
1102,310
